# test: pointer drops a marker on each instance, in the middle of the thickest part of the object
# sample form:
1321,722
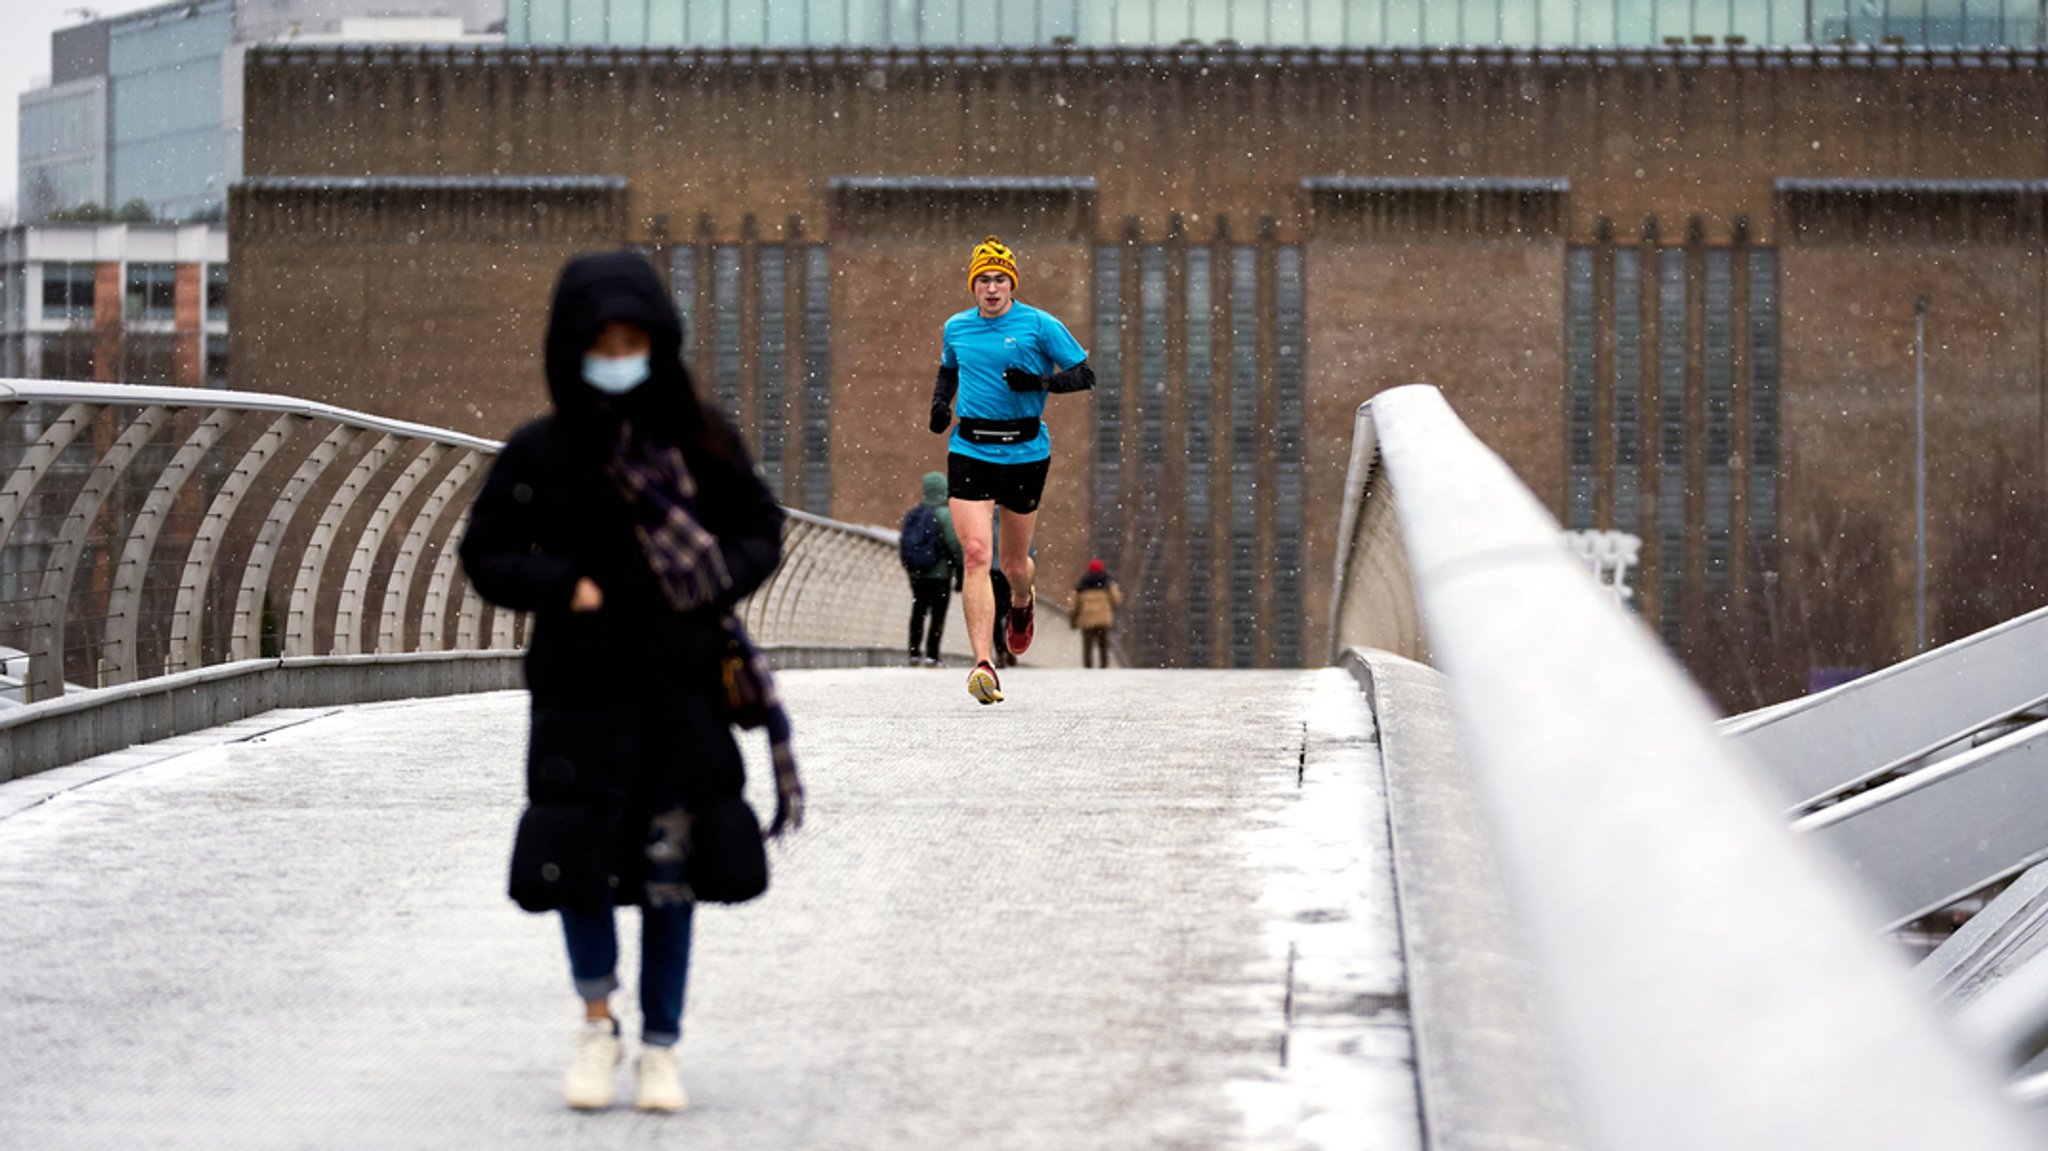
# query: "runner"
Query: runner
1000,358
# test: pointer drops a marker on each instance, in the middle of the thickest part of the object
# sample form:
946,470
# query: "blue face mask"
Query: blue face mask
615,376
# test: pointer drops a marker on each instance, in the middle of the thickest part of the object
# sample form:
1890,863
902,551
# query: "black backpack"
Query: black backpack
918,545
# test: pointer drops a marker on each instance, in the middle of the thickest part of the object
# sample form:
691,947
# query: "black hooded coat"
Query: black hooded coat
625,715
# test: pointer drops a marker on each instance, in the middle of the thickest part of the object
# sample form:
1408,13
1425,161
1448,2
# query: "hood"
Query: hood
935,488
592,291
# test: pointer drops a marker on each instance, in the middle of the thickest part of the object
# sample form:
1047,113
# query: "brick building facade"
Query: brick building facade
1675,288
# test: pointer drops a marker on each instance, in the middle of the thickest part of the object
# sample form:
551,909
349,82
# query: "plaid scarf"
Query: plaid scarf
656,481
657,484
752,701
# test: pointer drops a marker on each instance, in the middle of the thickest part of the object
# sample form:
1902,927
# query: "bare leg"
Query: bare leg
1018,566
973,522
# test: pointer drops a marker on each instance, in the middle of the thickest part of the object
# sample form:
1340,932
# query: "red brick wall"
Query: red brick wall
189,367
106,321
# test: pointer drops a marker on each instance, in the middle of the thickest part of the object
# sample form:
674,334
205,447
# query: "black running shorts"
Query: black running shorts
1014,487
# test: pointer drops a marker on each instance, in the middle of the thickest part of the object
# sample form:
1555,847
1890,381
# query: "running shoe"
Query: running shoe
661,1087
1021,627
589,1085
983,685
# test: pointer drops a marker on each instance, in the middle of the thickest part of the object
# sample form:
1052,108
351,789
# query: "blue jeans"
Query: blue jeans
664,964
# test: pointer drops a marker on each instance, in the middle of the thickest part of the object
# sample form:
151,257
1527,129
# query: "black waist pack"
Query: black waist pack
999,431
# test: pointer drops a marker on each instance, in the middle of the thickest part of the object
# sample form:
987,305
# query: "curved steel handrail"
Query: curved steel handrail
124,606
265,501
1712,979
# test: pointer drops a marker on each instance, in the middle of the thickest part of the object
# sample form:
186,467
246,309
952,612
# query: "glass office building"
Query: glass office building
172,146
147,106
1317,23
63,147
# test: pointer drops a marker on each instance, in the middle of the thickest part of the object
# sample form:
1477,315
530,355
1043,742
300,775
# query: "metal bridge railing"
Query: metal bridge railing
147,534
1710,979
145,531
1930,778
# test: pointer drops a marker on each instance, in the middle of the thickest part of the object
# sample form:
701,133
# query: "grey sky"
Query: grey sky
25,55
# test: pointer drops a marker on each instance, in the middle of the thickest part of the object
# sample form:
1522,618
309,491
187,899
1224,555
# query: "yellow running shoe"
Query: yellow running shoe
983,685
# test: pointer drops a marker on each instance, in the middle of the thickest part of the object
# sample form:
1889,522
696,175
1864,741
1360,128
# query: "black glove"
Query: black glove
1023,381
943,390
1079,378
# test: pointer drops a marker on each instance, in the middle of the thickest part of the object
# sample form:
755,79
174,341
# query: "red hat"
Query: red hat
1095,567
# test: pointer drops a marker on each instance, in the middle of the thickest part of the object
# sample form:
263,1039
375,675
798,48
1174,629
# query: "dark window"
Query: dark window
1671,345
1628,387
216,361
1720,422
772,342
1147,637
817,342
217,292
1763,410
1580,487
682,287
1289,410
152,292
725,326
68,293
1200,400
68,356
1107,358
1244,456
149,359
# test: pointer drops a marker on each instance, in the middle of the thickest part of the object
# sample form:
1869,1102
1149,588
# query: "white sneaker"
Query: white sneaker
661,1088
590,1084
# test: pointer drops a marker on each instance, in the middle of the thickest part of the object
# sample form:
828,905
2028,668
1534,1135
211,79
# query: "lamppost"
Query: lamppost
1920,474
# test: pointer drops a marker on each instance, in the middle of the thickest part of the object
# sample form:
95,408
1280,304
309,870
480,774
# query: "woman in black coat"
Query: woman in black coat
628,522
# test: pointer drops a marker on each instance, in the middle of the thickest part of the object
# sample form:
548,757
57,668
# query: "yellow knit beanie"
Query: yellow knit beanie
991,256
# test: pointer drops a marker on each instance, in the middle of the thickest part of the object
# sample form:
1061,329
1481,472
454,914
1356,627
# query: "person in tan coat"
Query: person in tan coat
1096,599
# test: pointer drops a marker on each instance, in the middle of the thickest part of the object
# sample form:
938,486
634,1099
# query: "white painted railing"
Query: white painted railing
1712,980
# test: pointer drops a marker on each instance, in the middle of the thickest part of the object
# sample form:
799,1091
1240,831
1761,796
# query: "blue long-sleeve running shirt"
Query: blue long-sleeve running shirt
982,349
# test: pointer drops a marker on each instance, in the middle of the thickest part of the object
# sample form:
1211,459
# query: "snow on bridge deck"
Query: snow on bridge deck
1123,909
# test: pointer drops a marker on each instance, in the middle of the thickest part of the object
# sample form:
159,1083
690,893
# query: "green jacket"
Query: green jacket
951,563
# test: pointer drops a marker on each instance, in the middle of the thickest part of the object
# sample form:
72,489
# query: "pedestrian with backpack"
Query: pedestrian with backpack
930,551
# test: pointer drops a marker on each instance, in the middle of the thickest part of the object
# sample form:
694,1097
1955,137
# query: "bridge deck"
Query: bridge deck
1123,909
